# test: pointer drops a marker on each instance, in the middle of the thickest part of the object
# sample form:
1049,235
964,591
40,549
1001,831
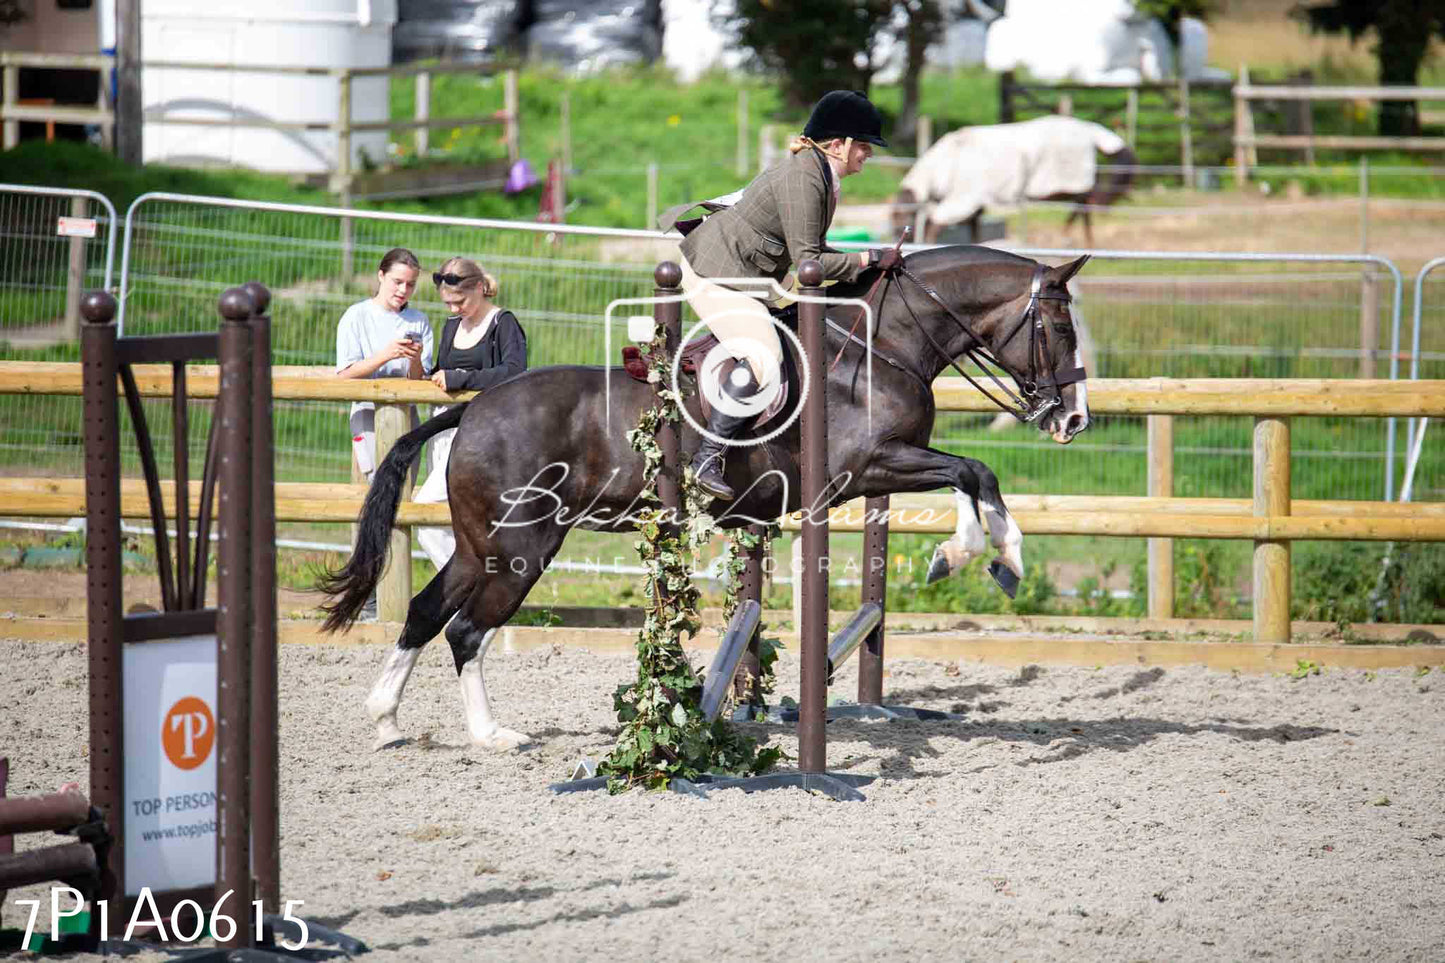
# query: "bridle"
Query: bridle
1040,394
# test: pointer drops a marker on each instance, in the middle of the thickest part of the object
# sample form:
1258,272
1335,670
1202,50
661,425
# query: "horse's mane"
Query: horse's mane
924,262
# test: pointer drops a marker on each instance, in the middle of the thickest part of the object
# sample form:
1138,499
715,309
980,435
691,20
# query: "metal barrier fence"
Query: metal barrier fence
1218,325
1182,315
1427,360
55,244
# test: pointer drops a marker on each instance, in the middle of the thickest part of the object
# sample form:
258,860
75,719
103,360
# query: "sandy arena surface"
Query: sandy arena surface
1116,813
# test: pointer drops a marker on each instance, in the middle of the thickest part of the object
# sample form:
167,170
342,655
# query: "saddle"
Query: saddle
635,362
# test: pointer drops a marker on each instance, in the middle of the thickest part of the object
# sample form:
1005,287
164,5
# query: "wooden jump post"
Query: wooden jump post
130,727
239,463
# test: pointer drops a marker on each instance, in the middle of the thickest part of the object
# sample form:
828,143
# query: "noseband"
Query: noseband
1040,394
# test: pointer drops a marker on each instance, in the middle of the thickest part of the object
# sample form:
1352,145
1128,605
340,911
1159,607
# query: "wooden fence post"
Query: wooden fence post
10,77
1369,321
1186,135
566,133
421,138
651,222
75,276
1271,558
922,135
1161,485
514,139
393,595
1131,118
742,160
1005,97
1243,128
342,181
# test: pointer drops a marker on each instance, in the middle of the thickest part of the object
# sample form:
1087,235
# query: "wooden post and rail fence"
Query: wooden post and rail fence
1272,519
1247,142
12,111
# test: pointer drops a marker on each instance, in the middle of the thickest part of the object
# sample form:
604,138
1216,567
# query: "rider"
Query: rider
779,220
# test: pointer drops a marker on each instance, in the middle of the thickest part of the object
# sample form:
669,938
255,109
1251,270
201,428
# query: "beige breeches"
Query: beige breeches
735,315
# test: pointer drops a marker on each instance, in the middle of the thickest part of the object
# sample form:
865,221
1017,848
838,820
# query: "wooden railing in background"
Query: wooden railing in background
1247,142
1272,519
12,112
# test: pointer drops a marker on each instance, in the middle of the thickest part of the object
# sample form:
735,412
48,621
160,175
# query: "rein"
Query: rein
978,352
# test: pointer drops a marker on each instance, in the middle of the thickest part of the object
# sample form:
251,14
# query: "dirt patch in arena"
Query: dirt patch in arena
1119,813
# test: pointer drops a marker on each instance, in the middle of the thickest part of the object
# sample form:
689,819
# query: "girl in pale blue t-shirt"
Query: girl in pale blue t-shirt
382,337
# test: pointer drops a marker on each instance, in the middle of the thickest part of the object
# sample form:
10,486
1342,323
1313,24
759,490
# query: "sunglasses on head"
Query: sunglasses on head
438,278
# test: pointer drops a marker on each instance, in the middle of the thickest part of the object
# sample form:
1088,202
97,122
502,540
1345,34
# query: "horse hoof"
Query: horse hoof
938,569
1005,577
390,742
502,740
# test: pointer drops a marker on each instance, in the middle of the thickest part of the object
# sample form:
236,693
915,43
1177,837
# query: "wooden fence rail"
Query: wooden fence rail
1272,519
1272,397
1247,142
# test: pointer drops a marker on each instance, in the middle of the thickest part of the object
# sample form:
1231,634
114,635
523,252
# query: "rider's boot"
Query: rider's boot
710,460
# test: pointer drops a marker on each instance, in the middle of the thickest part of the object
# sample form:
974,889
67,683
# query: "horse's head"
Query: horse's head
1012,313
1033,337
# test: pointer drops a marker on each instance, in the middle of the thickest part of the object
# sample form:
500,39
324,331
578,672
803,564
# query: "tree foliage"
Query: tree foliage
1170,12
814,46
1403,31
11,12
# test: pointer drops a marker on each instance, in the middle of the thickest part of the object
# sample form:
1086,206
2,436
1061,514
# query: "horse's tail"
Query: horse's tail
357,579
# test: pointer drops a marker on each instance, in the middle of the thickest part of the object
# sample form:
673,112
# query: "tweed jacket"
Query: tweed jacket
779,221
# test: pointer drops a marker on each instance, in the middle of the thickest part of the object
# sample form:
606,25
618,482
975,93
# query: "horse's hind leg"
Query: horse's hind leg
488,608
900,467
425,617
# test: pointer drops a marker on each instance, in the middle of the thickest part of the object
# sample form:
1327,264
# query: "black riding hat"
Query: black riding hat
845,113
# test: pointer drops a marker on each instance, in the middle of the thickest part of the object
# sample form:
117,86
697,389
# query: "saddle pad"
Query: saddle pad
693,354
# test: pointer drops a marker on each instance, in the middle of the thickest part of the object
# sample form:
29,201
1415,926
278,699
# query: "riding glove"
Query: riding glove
888,259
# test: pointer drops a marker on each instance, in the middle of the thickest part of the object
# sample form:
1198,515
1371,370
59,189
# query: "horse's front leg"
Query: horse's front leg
899,467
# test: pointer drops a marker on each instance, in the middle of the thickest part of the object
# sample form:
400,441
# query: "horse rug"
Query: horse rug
1001,165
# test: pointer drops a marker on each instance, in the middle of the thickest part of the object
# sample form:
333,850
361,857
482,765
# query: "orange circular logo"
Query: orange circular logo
188,733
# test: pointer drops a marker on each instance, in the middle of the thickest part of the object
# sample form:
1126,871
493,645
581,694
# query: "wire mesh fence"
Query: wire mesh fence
1214,315
1146,315
55,243
181,255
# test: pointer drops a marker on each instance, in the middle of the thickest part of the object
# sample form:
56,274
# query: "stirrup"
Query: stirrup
709,476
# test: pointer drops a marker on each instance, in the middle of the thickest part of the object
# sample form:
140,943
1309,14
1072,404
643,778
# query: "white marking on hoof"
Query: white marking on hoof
968,541
969,531
482,729
1004,532
502,740
385,696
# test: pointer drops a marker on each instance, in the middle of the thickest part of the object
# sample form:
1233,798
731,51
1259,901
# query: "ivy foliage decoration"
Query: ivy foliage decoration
740,542
664,734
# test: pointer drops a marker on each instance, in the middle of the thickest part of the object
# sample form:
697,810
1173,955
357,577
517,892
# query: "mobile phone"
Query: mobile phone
411,337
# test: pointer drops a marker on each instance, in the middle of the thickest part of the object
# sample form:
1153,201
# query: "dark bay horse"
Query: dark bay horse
535,456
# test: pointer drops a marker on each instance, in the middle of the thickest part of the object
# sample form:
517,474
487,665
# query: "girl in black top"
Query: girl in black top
481,345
